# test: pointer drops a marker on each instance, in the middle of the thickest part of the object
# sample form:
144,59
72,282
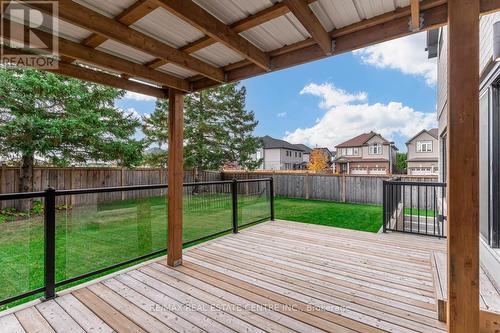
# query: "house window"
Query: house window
349,151
375,149
355,151
300,154
424,146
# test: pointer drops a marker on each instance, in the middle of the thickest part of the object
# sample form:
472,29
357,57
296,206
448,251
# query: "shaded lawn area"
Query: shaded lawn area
96,236
333,214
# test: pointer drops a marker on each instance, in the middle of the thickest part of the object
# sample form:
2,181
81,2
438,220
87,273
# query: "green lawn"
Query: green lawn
97,236
334,214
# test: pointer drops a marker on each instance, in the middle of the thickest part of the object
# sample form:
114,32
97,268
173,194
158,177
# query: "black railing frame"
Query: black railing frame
50,195
393,193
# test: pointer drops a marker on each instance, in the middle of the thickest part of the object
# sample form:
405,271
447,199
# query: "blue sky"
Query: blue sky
389,88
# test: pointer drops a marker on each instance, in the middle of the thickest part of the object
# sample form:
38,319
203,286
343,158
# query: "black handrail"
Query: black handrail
49,196
409,204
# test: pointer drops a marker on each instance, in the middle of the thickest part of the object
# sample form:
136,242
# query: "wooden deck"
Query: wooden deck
275,277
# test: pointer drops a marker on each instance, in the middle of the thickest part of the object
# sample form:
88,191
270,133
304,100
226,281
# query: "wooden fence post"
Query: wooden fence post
122,181
343,185
307,184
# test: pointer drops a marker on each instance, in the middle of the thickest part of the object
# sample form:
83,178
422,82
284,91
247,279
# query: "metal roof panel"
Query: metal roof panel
281,31
176,71
164,26
124,51
218,54
110,8
230,11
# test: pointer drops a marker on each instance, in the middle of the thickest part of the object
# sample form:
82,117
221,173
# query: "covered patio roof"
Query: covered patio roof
171,47
148,45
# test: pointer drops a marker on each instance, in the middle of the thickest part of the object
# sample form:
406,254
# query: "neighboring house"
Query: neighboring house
423,153
489,136
366,154
306,153
282,155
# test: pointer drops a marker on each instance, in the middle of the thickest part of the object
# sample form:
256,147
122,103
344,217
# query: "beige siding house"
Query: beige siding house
365,154
423,153
279,154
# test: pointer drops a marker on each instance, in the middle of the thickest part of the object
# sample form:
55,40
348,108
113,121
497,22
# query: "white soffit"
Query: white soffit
218,54
124,51
110,8
335,14
176,71
281,31
230,11
168,28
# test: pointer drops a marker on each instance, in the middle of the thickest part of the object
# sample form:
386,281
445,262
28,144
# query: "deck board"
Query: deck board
274,277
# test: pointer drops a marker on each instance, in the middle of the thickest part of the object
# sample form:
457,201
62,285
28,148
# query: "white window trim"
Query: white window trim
424,143
375,149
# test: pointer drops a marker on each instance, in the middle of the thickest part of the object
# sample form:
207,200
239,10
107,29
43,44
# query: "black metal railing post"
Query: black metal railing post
271,195
234,194
384,205
50,243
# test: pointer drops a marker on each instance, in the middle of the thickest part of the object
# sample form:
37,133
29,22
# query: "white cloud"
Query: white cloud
138,97
132,112
405,54
281,115
332,96
344,121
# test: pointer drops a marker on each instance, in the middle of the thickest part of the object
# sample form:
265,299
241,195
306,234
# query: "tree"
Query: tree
155,128
318,161
217,128
401,164
62,121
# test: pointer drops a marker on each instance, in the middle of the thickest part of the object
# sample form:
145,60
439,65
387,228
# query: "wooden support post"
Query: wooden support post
175,176
463,166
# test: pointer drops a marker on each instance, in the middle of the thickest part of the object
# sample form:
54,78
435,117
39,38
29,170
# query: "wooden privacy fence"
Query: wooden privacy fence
354,189
79,178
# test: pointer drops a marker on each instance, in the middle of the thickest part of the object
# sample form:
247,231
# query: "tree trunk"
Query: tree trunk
26,180
196,188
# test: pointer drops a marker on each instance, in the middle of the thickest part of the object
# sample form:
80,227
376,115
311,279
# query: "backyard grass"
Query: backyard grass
333,214
96,236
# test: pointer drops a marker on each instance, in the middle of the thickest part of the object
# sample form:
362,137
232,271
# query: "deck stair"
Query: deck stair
489,297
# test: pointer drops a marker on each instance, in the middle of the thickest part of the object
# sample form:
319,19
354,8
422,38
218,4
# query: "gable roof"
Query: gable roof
304,148
360,140
432,132
270,143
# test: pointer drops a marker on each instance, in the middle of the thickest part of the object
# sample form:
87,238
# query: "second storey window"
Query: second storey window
424,146
375,149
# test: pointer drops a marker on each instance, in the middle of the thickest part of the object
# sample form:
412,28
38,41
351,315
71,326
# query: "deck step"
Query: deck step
489,297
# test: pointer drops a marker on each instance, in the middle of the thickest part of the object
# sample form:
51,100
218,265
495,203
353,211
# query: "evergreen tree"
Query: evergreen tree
217,128
62,121
155,128
401,164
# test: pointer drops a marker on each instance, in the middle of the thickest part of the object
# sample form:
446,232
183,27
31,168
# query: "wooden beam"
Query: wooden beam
245,24
129,16
463,166
415,15
175,176
86,18
87,74
74,51
190,12
306,51
308,19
